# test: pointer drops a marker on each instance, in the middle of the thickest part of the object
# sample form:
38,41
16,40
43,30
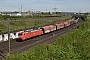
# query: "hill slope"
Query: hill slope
72,46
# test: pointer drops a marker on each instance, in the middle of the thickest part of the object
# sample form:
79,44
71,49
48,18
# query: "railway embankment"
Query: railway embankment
71,46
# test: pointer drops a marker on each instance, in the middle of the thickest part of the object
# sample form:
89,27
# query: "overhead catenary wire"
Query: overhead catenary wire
7,7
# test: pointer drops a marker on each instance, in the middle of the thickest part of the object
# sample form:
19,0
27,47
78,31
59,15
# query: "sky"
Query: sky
46,5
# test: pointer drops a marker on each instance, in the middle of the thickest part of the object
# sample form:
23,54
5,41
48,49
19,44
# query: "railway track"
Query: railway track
26,45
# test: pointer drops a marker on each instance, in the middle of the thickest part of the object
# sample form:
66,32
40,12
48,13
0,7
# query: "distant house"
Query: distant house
28,13
17,13
11,13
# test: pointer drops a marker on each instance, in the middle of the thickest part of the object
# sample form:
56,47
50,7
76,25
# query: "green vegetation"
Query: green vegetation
3,17
22,23
72,46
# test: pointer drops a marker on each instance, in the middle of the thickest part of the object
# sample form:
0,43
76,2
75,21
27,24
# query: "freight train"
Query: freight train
45,29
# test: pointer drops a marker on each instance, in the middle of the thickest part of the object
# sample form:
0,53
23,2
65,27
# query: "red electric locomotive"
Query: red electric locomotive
28,34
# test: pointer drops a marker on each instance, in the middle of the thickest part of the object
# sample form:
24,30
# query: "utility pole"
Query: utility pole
46,9
38,20
55,9
33,11
62,11
79,12
21,9
8,37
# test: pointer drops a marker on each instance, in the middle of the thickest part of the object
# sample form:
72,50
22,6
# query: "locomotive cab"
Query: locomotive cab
19,39
21,36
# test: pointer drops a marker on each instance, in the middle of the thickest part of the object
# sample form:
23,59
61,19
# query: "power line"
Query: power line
8,7
55,9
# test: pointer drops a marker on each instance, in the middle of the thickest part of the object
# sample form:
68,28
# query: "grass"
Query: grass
29,22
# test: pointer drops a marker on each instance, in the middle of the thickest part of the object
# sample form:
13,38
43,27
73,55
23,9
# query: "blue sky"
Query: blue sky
42,5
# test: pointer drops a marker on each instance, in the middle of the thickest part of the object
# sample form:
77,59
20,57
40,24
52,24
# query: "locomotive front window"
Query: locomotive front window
20,34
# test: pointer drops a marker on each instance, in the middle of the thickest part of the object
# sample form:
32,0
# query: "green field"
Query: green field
72,46
22,23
